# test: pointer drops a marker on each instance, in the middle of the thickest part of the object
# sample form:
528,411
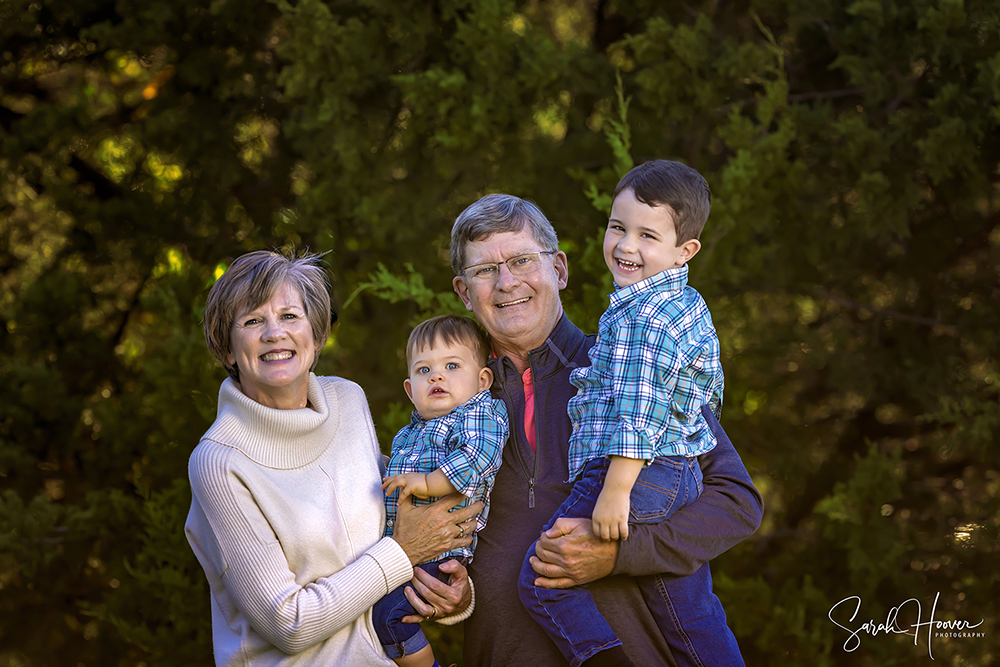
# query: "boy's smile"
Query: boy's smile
641,241
443,376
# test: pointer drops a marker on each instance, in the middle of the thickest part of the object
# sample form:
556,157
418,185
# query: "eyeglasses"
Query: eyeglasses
522,265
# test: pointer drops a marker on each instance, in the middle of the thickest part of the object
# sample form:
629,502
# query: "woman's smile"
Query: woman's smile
273,348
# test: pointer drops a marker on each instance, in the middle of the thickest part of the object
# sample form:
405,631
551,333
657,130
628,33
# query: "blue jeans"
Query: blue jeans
688,614
398,638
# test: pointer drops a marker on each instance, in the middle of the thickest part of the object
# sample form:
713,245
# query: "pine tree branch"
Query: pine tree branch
887,313
796,97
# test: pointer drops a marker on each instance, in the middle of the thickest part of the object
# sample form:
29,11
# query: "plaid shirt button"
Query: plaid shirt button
466,444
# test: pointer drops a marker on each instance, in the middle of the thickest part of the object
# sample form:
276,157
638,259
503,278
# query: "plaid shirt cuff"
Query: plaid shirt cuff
629,442
459,471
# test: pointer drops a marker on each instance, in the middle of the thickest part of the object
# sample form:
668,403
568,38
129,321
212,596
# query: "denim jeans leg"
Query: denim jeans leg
692,619
398,638
569,616
688,613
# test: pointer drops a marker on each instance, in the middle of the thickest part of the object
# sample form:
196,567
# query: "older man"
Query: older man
508,272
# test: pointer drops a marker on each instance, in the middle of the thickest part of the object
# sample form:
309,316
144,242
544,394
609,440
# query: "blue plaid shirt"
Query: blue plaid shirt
466,444
656,362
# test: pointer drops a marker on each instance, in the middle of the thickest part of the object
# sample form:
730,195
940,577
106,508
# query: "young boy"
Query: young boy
453,443
637,421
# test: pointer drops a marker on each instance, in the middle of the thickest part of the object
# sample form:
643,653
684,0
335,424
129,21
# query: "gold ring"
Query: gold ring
461,530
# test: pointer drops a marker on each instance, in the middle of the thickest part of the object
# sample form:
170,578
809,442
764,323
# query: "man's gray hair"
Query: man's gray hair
494,214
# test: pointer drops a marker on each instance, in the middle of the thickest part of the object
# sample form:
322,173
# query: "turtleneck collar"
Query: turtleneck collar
281,439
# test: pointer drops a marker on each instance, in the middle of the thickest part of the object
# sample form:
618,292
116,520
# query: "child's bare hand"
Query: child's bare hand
409,484
611,515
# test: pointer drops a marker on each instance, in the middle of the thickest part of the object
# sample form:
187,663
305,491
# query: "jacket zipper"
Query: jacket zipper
534,469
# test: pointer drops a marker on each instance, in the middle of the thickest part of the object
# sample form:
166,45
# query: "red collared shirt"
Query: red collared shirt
529,406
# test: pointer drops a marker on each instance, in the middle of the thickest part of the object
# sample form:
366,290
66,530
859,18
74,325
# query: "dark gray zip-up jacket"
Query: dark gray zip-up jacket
528,490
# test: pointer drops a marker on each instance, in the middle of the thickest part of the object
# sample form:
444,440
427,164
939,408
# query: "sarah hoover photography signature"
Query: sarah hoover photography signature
892,625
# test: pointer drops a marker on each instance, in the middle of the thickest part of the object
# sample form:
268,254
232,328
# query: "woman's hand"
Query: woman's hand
430,530
569,554
439,599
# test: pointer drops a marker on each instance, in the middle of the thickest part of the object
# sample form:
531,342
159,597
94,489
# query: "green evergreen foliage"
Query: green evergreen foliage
851,263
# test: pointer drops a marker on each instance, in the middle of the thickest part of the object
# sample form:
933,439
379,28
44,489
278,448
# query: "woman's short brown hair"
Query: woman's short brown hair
251,281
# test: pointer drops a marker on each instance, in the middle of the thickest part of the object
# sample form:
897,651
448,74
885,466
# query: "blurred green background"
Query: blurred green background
851,263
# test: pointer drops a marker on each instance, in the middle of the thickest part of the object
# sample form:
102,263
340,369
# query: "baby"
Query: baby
453,443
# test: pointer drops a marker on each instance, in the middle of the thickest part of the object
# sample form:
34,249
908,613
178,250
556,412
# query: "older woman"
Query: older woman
287,511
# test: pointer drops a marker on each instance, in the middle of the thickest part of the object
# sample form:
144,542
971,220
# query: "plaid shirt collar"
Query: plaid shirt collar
664,281
455,414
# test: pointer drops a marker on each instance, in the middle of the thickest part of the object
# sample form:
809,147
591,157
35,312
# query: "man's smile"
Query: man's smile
513,303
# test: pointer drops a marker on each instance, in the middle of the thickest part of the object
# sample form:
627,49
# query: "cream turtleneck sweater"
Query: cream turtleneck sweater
286,519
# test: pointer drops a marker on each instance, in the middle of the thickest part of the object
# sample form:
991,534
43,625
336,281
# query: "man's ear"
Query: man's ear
462,290
689,249
408,388
561,264
485,379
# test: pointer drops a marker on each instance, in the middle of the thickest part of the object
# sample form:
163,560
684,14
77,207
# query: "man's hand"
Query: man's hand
409,484
569,554
438,599
611,514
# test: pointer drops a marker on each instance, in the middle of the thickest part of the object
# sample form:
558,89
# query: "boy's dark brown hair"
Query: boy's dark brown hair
668,183
449,329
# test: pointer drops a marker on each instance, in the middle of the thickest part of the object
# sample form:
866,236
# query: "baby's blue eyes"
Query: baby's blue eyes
451,366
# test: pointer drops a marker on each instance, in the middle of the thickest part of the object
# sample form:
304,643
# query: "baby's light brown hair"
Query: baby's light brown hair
449,329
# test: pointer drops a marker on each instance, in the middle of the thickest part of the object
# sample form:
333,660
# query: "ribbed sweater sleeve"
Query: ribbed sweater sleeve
255,572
